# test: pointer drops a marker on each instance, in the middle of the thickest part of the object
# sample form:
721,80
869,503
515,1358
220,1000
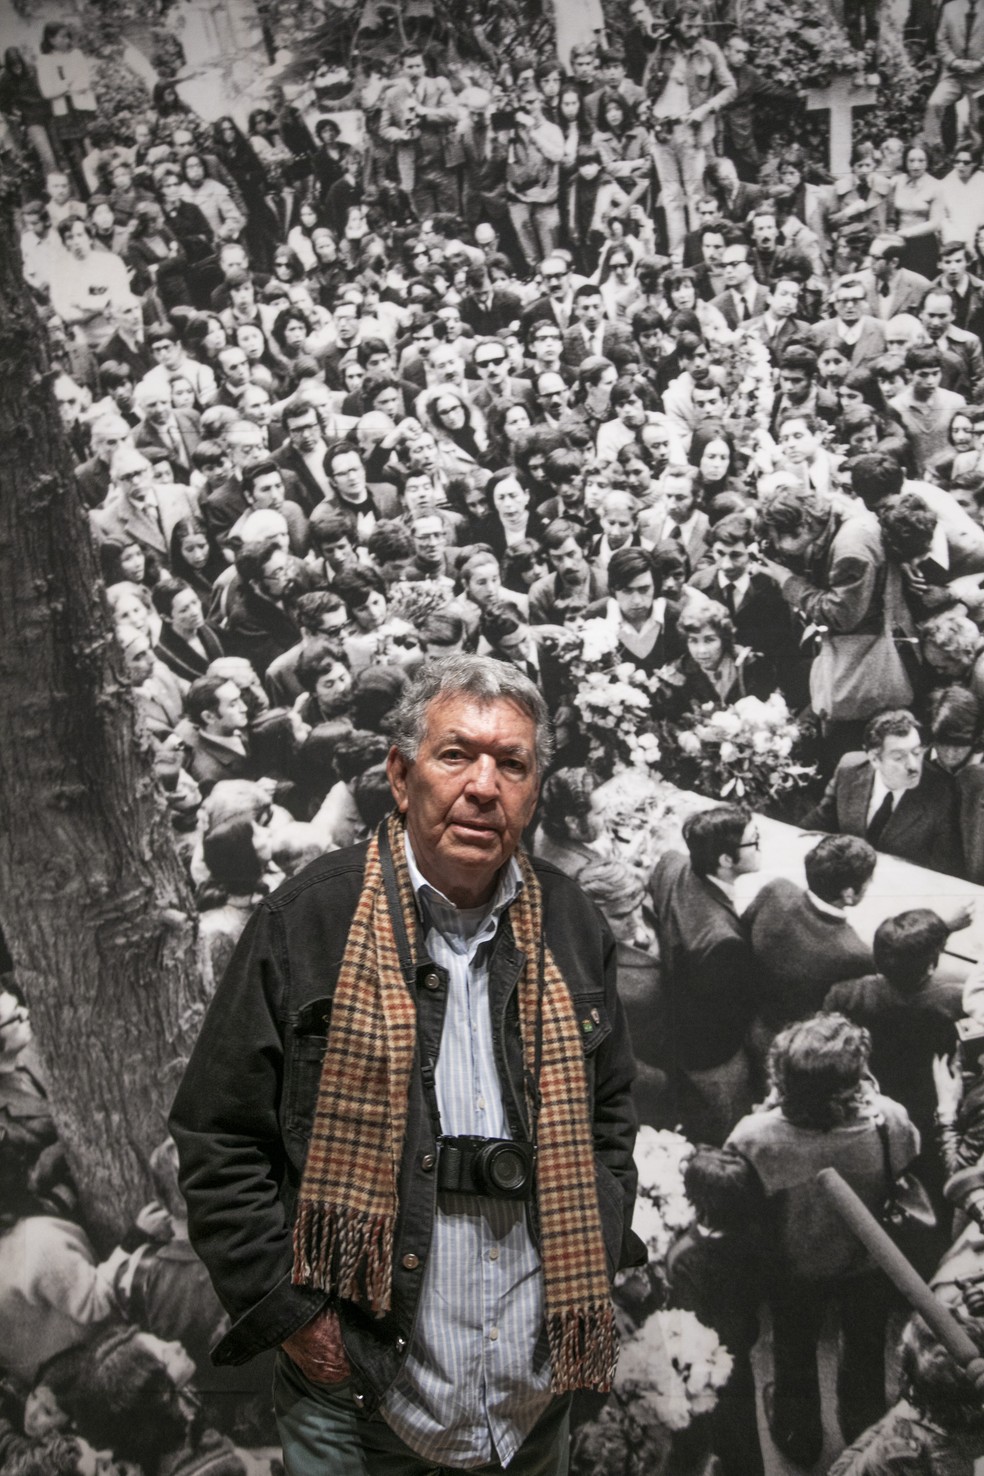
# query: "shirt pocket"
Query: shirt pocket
307,1041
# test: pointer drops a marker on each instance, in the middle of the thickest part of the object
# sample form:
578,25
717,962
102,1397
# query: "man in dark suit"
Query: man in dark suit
892,798
743,297
258,626
852,330
492,365
966,291
92,477
216,707
707,971
303,454
175,431
557,300
128,344
963,359
488,307
592,335
779,326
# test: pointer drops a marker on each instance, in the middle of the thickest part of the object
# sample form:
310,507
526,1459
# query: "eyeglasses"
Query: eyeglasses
487,363
754,844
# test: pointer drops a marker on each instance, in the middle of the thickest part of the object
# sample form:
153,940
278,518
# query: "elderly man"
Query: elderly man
92,477
138,509
430,1072
891,798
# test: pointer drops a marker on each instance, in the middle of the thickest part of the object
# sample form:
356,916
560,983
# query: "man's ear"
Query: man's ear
396,772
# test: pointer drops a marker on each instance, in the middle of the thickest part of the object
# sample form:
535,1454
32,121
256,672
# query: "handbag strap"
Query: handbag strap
891,1179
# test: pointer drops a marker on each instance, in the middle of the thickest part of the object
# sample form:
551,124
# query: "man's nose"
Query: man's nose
483,780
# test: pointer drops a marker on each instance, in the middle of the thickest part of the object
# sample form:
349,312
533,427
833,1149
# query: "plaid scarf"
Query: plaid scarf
344,1234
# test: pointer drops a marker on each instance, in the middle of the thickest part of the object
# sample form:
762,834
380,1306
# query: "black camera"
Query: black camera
497,1167
503,120
970,1045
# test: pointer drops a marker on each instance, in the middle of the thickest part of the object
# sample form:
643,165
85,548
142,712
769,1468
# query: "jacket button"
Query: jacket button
427,1162
432,981
401,1343
359,1400
410,1261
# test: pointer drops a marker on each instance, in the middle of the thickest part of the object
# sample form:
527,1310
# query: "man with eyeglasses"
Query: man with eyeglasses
891,288
853,330
707,970
556,302
138,509
553,398
889,796
492,366
962,192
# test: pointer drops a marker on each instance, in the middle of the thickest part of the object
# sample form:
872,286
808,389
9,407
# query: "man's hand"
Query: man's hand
949,1089
318,1351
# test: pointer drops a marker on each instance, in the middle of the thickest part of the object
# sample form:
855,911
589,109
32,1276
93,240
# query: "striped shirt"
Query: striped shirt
477,1374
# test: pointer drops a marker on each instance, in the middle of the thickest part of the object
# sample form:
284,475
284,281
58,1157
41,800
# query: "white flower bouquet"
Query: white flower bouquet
745,752
671,1370
662,1209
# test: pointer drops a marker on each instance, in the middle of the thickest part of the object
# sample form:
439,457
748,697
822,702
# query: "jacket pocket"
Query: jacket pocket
611,1209
306,1043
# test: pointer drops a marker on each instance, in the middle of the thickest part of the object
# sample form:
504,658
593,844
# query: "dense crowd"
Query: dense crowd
547,363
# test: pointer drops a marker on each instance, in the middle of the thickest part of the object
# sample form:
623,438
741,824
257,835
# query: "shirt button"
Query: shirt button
493,1334
480,1104
410,1261
494,1253
427,1162
432,981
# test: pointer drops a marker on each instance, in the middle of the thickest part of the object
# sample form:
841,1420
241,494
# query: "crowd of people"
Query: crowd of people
542,351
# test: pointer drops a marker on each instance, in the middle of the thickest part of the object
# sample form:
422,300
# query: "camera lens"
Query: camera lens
504,1168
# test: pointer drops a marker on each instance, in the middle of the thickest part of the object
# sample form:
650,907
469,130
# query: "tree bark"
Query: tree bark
94,904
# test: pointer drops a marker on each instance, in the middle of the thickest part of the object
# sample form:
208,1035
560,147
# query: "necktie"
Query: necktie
677,532
878,821
742,309
971,15
884,290
728,590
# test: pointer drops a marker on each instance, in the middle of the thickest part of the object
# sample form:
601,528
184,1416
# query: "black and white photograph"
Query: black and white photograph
510,474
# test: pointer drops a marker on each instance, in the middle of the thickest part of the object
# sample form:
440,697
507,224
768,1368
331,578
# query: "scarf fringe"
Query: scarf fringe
583,1348
345,1251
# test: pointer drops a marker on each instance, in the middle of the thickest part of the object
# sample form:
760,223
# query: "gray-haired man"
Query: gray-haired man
417,1059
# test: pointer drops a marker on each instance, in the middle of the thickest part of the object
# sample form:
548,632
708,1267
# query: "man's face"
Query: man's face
332,689
797,442
510,498
484,583
235,367
748,856
568,561
651,343
275,575
785,299
346,322
937,315
552,393
194,172
700,365
584,66
447,366
430,539
339,555
255,404
469,794
304,431
925,382
413,68
730,559
419,494
106,441
737,269
736,52
963,163
229,716
617,522
589,309
250,339
157,406
899,761
793,545
59,188
679,498
422,454
713,246
632,413
492,365
103,220
709,401
245,447
268,490
635,601
690,27
765,232
556,278
954,267
850,304
133,474
349,476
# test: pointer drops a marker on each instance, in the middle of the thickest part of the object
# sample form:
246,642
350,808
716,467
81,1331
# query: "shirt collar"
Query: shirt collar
825,907
462,925
726,887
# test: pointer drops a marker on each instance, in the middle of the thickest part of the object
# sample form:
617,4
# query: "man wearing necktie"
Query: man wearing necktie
889,796
960,47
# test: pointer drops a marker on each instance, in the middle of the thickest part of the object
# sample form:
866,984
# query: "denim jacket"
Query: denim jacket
244,1111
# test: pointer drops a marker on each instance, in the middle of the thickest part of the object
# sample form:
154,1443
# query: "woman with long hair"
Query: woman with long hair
625,149
713,668
187,644
192,557
507,421
714,454
233,150
917,212
457,427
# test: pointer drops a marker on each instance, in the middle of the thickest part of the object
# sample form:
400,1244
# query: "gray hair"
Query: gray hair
480,677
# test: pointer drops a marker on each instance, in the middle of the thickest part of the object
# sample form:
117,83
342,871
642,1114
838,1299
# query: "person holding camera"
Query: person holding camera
534,151
420,117
406,1129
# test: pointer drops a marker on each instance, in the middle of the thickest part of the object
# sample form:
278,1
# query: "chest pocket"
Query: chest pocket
307,1040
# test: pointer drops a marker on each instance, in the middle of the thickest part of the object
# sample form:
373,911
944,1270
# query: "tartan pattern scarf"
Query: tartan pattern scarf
345,1228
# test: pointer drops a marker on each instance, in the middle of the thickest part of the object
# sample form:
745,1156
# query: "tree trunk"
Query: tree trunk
94,904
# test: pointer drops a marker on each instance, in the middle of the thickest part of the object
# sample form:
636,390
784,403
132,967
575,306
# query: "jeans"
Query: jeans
435,193
949,90
680,164
322,1436
537,228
